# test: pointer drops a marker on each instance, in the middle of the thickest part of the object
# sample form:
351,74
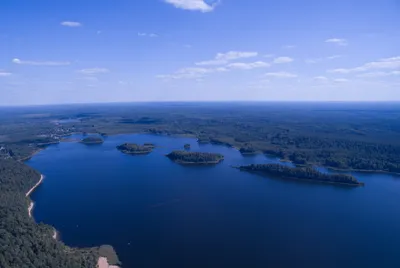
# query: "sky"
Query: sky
86,51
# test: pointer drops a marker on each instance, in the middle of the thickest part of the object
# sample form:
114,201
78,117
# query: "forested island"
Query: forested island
186,146
133,148
92,140
195,158
300,173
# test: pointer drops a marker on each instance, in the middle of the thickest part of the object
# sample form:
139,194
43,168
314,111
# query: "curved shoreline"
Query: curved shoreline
102,261
35,186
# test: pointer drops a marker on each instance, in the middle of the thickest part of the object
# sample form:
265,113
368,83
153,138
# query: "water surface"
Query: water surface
160,214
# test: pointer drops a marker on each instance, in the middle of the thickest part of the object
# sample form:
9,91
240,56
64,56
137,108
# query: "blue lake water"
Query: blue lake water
159,214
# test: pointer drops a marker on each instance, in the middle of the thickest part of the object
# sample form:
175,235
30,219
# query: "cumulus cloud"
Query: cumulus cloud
387,63
248,66
223,58
199,5
94,71
316,60
189,73
152,35
289,46
281,75
40,63
337,41
71,24
379,74
283,60
320,78
4,73
340,80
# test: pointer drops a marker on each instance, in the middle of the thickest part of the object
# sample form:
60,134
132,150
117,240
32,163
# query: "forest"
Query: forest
300,173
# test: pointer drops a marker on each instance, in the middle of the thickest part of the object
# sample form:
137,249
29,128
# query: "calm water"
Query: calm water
160,214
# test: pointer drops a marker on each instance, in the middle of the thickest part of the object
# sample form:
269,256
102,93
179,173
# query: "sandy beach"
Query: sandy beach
55,234
31,205
35,186
103,263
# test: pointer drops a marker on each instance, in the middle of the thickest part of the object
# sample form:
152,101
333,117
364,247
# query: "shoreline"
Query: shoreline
35,186
102,262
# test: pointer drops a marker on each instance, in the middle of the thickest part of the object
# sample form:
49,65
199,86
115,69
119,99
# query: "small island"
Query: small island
92,140
186,146
300,173
195,158
132,148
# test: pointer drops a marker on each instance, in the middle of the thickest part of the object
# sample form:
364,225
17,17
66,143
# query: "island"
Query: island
92,140
132,148
186,146
195,158
300,173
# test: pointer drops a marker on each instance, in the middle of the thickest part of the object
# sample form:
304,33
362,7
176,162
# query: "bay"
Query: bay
159,214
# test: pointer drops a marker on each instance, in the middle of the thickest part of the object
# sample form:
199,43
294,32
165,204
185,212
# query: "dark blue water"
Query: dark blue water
160,214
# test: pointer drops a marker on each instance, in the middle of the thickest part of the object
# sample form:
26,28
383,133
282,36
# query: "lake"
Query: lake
156,213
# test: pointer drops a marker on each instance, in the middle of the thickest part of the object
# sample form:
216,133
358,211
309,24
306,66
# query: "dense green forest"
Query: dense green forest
300,173
23,243
132,148
185,157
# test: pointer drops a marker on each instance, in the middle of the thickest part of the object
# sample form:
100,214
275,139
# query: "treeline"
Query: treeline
300,173
195,157
23,243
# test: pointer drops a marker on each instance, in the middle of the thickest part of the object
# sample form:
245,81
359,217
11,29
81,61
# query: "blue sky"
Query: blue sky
70,51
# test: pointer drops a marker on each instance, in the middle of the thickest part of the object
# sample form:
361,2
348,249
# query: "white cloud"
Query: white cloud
387,63
248,66
4,73
320,78
281,75
340,80
152,35
334,57
337,41
71,24
223,58
199,5
94,71
289,47
283,60
41,63
379,74
316,60
192,73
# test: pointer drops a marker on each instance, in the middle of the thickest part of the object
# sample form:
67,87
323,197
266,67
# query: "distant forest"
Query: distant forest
359,136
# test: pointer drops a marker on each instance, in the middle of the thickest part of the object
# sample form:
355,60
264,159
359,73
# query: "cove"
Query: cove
156,213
